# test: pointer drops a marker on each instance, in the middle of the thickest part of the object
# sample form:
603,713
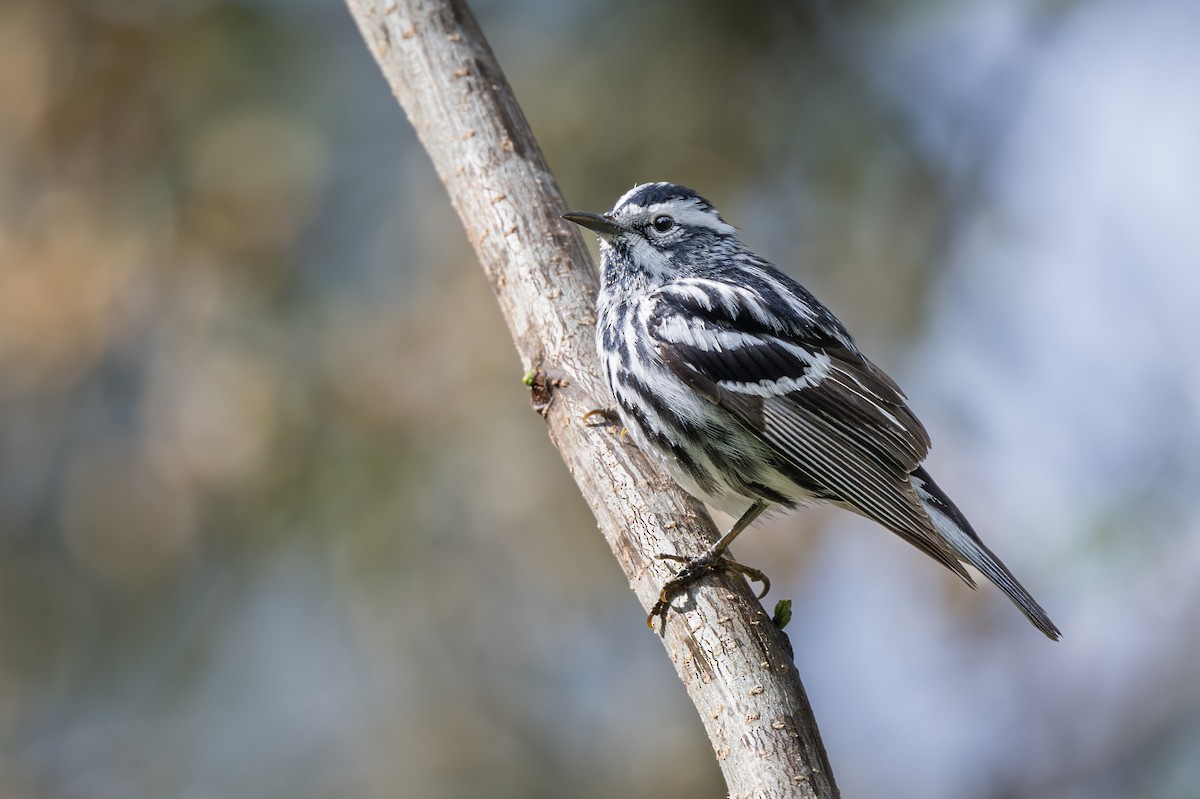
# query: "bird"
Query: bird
752,394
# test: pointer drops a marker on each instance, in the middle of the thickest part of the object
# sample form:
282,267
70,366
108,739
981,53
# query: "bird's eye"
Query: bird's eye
662,223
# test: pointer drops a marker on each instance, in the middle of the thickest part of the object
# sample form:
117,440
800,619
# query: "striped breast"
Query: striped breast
706,450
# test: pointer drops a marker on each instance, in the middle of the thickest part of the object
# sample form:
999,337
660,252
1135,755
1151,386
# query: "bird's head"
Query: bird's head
657,231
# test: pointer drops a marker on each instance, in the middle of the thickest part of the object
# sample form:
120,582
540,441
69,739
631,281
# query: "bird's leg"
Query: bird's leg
712,559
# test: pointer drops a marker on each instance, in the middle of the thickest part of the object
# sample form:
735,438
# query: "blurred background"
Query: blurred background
276,519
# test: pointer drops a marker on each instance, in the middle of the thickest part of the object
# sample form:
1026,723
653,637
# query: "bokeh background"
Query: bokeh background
276,519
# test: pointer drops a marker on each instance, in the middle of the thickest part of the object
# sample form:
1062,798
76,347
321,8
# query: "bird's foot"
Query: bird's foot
695,568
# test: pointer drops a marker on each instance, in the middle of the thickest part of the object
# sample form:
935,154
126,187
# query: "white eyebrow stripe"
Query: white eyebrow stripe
687,211
691,214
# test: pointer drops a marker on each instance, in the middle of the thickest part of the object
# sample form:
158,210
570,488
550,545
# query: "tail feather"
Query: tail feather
954,528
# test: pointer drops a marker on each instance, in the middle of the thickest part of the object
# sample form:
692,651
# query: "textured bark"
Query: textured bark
737,667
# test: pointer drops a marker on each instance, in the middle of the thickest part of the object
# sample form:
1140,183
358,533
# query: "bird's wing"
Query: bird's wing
798,381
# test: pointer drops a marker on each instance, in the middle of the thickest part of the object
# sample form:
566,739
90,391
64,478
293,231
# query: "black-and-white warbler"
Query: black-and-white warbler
752,394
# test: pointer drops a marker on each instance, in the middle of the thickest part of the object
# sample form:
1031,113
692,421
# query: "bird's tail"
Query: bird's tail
956,531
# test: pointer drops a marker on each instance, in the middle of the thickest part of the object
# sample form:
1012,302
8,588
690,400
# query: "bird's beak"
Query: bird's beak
603,225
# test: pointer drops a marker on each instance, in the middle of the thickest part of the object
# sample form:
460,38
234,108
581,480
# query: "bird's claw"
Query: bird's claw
609,416
694,569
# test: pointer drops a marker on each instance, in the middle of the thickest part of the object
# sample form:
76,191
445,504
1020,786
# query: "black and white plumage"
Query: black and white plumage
751,392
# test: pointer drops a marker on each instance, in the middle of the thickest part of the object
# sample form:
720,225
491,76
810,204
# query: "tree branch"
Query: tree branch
736,665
